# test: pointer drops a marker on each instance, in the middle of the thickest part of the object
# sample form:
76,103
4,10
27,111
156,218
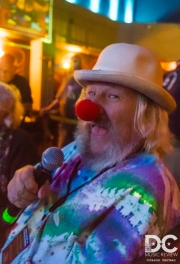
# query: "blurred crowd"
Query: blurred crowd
55,123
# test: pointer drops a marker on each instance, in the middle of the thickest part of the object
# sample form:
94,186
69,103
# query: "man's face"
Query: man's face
7,71
112,134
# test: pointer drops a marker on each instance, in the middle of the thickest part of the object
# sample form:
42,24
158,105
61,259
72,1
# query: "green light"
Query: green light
140,196
7,218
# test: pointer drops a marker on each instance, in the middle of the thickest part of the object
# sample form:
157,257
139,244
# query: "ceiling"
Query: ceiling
134,11
151,11
156,24
162,38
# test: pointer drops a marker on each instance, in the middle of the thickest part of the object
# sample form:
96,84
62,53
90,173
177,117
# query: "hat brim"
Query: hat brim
154,92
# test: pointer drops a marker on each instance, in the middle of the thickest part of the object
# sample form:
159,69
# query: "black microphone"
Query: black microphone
52,158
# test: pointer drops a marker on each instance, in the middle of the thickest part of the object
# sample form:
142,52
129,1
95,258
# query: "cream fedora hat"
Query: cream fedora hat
132,66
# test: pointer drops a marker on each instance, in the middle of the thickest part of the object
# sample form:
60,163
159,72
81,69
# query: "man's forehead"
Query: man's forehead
110,85
98,83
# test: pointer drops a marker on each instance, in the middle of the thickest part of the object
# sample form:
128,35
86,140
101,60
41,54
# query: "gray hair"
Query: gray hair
10,103
151,121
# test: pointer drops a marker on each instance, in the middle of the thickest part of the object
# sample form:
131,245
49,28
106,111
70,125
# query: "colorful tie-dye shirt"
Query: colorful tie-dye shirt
105,217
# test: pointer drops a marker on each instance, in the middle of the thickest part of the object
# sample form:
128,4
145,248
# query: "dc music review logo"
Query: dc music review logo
151,246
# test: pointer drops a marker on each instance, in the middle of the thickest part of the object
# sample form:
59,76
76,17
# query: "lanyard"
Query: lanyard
61,200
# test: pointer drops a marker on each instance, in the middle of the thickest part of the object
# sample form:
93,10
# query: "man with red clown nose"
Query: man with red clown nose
113,188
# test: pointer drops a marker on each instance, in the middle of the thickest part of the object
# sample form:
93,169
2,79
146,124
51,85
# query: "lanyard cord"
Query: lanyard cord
61,200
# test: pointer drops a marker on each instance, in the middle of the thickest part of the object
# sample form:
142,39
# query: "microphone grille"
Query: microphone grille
52,158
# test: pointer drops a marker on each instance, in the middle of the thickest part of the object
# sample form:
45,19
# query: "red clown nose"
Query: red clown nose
87,110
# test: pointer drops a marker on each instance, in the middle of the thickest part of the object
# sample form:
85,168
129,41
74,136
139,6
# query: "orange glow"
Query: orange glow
66,61
1,49
35,72
3,33
169,65
77,49
1,52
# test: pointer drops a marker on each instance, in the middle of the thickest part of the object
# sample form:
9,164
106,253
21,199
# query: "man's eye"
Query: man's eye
113,96
91,93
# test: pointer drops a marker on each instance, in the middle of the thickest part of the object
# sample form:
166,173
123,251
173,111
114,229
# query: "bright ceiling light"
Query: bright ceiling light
113,11
71,1
128,12
94,5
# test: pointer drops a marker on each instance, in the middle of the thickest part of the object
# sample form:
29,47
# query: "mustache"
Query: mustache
92,160
116,150
101,121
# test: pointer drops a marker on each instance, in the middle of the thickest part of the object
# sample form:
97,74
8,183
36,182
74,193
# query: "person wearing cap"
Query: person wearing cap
113,188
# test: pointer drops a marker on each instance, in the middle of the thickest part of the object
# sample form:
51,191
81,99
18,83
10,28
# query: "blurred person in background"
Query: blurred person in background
171,82
17,148
8,75
113,188
65,99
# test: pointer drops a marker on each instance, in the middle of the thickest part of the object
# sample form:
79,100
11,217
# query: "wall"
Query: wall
74,24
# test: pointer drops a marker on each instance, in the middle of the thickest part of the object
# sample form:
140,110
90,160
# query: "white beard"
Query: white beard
113,154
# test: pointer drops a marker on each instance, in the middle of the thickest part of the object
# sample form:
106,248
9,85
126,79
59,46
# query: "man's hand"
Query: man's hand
23,190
